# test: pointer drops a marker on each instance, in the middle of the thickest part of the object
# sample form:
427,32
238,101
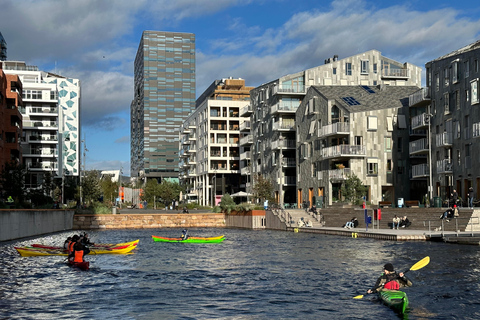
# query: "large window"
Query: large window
365,67
372,167
348,69
474,90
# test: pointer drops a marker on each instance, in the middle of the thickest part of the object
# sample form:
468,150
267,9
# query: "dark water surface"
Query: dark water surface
251,275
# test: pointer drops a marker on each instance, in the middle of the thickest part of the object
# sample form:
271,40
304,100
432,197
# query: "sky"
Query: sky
257,40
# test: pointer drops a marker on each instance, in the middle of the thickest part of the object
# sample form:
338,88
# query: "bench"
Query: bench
384,204
412,204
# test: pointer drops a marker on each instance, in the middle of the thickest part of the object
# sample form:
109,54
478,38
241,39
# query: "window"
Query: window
372,167
466,67
458,131
374,68
446,77
400,144
475,65
455,72
334,71
459,160
467,95
372,123
446,103
365,67
401,166
388,144
437,82
358,140
348,69
456,99
474,89
476,130
389,165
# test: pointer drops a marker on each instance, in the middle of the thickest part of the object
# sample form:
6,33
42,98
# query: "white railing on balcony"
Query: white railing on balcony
420,145
444,139
419,121
419,96
290,180
289,125
339,174
52,111
420,170
245,155
245,110
245,126
334,128
283,107
49,124
246,140
42,138
285,144
396,73
343,150
291,89
444,166
244,171
288,162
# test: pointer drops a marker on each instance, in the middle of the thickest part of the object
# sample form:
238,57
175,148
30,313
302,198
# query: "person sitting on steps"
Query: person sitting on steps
352,223
447,215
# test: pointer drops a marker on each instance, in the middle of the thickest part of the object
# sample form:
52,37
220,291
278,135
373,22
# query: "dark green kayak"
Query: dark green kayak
397,300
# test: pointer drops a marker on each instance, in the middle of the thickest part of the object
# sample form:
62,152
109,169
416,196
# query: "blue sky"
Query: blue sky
96,42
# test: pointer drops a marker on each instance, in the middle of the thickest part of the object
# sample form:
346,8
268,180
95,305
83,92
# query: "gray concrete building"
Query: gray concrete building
450,102
274,105
164,96
353,130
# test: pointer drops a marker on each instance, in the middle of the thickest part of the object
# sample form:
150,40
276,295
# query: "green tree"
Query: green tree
47,185
109,190
262,188
166,192
353,190
12,179
91,187
151,191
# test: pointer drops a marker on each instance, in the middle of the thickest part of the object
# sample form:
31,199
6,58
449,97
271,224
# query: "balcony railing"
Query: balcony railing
290,125
419,96
420,170
395,73
284,144
53,111
334,128
334,175
418,146
289,162
246,140
344,150
444,166
280,107
291,89
245,126
245,111
48,124
419,121
43,138
444,139
289,180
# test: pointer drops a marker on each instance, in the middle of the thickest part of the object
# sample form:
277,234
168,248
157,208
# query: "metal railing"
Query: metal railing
435,225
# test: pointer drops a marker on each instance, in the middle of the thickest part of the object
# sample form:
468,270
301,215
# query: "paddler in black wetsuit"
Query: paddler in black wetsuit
390,280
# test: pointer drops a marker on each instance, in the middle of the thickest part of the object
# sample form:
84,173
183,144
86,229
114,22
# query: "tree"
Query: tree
12,179
353,190
91,187
47,185
262,188
109,189
167,191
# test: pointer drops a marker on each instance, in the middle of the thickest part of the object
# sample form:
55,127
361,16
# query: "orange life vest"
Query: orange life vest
70,246
78,256
392,285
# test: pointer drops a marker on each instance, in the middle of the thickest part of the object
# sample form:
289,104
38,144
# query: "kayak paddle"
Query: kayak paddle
417,266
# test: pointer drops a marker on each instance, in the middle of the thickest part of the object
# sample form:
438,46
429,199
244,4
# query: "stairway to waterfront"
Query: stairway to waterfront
421,218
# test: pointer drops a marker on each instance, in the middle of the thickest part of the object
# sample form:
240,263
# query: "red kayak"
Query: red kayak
85,265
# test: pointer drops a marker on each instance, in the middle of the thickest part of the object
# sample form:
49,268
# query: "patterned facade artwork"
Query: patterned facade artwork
69,119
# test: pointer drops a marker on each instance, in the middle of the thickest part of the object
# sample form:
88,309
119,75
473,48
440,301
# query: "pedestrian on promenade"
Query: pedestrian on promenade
454,197
396,222
470,197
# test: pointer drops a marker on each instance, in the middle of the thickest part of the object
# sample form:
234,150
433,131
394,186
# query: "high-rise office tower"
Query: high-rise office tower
164,96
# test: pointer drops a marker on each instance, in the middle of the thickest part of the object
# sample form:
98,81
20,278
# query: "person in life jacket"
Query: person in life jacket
79,251
72,243
390,280
184,234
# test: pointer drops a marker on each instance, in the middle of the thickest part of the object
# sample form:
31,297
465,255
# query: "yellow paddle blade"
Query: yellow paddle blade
420,264
358,297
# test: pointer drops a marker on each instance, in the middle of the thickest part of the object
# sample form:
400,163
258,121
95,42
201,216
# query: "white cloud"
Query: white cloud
124,139
110,165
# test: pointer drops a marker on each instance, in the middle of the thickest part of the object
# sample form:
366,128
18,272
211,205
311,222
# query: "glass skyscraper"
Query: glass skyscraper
163,98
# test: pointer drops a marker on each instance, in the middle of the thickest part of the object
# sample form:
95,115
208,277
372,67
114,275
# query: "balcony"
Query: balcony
343,150
339,128
291,89
50,125
288,181
42,166
420,171
444,166
245,126
284,144
391,73
38,111
192,149
419,146
419,122
245,155
336,175
283,108
246,111
289,162
42,139
247,140
419,98
284,126
444,139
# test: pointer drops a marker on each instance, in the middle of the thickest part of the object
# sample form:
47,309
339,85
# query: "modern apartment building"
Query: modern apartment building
447,112
51,122
274,105
346,130
10,118
210,149
164,96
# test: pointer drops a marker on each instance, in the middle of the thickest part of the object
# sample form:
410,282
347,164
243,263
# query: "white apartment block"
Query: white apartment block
210,150
51,123
274,105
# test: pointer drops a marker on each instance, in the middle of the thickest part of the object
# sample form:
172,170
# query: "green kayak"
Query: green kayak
397,300
190,239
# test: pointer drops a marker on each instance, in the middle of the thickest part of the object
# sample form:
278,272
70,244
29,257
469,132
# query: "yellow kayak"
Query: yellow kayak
95,246
31,251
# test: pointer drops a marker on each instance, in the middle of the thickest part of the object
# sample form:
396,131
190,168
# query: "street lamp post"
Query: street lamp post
430,187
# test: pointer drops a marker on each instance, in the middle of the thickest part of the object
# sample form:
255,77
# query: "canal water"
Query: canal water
251,275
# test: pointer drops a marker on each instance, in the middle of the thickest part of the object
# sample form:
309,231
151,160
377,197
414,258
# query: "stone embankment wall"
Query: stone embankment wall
16,224
145,221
